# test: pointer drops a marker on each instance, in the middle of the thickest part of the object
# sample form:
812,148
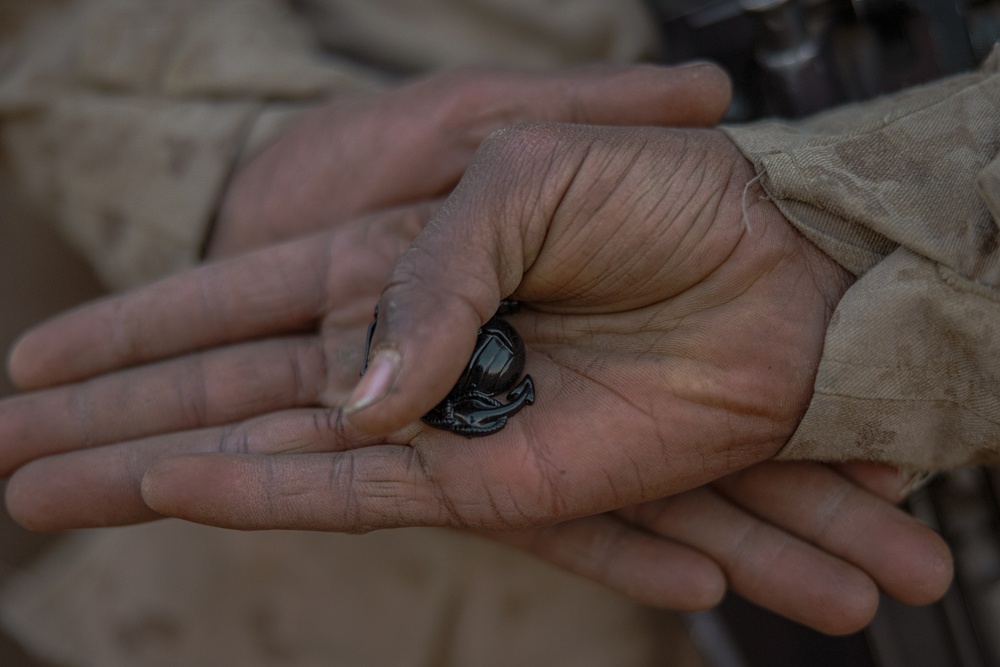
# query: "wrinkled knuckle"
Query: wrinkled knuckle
830,515
86,414
329,426
234,439
192,393
419,279
310,370
411,272
481,505
343,483
518,141
422,463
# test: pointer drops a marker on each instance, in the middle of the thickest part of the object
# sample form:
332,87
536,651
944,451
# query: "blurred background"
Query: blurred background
791,57
39,276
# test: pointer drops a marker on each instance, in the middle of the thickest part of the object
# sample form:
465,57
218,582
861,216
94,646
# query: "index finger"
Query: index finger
279,289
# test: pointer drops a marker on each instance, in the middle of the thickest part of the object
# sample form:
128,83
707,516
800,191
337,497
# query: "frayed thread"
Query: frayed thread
744,206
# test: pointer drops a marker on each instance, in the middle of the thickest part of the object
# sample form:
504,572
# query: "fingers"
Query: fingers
542,468
690,95
574,219
765,564
904,557
644,567
101,486
208,306
445,480
471,104
354,492
277,290
451,281
337,162
204,389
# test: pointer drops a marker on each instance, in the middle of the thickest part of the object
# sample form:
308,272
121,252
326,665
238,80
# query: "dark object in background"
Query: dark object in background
791,58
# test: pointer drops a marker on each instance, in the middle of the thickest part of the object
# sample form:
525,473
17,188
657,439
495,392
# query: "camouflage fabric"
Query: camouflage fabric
904,192
125,119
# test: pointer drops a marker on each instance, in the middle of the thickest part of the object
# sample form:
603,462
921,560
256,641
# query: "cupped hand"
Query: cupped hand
361,153
807,541
247,364
673,319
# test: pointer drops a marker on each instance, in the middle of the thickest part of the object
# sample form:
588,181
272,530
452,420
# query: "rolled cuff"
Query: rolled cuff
902,192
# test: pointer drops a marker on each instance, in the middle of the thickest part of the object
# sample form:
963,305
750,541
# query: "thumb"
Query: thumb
451,280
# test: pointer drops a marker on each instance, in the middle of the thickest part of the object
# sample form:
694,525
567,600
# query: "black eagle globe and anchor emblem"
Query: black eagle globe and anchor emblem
472,408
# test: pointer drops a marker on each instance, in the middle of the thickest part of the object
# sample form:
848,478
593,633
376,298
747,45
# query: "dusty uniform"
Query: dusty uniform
905,193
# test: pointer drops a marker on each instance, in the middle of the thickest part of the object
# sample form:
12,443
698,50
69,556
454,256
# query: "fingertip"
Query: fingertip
376,406
49,353
422,341
928,575
853,608
158,486
717,89
19,362
376,383
711,588
18,506
678,581
910,562
816,590
73,490
30,505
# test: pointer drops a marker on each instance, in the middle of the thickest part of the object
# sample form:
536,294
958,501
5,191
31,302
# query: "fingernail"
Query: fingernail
377,381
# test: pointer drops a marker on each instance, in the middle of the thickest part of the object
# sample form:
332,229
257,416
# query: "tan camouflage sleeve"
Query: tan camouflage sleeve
904,192
124,119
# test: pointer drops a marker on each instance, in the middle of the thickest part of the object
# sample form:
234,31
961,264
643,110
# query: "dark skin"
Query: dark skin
673,355
364,153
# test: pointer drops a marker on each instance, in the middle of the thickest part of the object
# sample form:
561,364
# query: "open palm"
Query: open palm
672,332
218,395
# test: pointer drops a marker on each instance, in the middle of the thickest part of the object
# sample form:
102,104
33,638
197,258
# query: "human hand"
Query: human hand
811,542
793,538
232,353
674,324
684,340
364,152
